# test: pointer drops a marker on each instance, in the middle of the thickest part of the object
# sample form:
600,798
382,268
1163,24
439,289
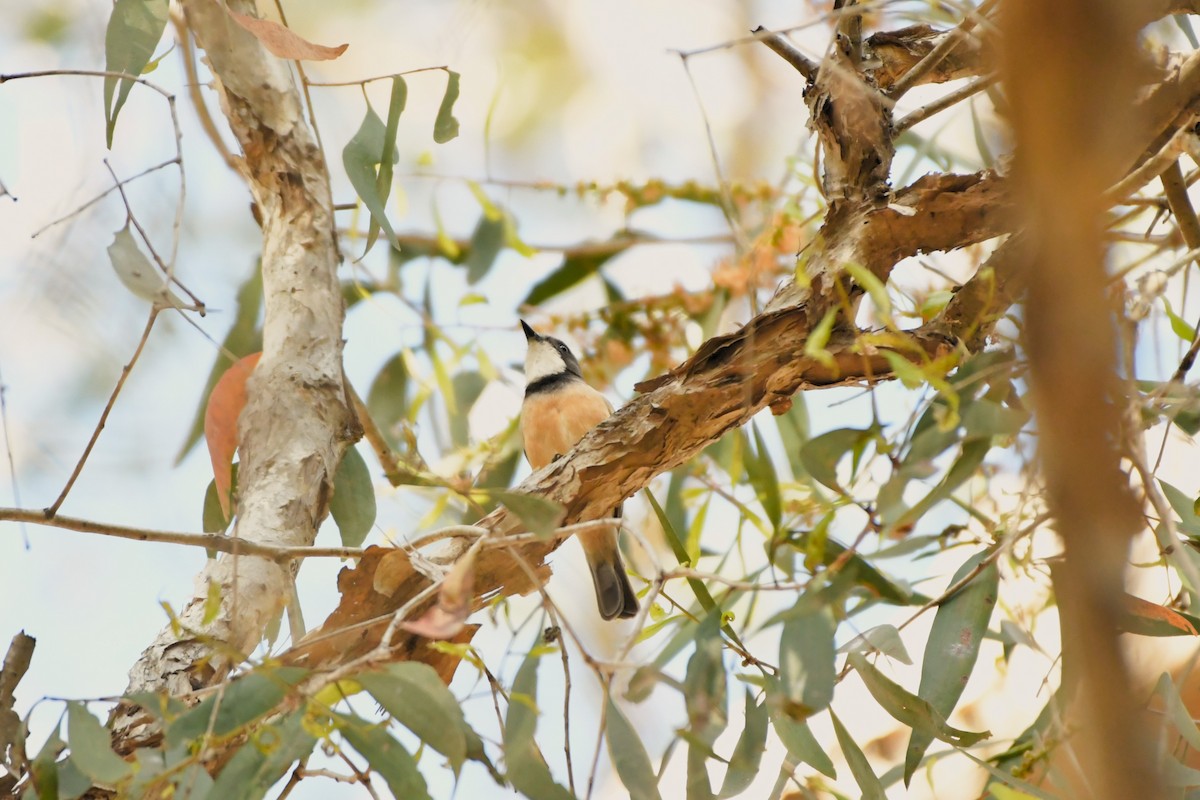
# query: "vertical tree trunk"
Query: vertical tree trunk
296,424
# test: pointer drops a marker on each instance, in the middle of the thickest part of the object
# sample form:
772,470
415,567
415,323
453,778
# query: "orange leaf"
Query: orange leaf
1153,611
226,402
282,42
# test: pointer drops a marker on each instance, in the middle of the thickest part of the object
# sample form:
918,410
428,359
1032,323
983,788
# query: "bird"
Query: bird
558,409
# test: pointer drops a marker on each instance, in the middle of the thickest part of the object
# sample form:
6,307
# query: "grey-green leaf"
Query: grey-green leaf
540,514
415,695
882,639
629,756
134,30
969,459
573,270
91,747
801,744
244,700
445,127
360,158
820,456
388,156
387,401
764,479
748,752
262,761
486,243
467,386
953,648
909,709
136,272
386,756
806,660
527,769
353,504
860,768
1184,507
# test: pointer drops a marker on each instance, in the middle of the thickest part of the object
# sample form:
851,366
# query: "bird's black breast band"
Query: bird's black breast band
550,383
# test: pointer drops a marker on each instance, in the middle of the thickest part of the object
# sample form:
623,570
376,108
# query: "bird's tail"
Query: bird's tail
614,593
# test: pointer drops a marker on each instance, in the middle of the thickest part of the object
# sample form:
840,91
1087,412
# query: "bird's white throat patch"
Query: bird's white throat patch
541,361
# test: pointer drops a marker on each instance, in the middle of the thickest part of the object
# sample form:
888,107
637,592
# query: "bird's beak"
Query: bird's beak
530,333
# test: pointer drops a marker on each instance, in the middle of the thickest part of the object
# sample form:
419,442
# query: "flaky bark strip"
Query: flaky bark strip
296,424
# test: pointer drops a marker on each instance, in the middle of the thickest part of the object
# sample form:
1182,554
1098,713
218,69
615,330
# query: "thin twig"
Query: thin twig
938,54
941,104
784,47
188,54
727,206
1189,227
327,773
178,132
984,563
12,465
600,733
1151,168
209,541
168,270
53,508
389,76
101,196
743,586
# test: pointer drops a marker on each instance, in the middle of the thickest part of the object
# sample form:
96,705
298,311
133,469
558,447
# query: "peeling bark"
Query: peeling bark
297,423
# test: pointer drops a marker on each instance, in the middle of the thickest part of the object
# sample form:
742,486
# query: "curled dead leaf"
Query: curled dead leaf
453,607
283,42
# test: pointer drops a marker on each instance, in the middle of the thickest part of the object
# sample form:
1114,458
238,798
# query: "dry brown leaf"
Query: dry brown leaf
283,42
225,404
450,614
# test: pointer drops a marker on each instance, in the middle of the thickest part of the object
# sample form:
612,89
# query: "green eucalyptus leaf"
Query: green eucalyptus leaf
386,756
573,270
527,769
540,514
353,503
909,709
953,647
445,127
361,158
243,700
860,768
486,243
629,756
264,759
387,400
417,698
748,752
91,747
134,30
821,454
806,661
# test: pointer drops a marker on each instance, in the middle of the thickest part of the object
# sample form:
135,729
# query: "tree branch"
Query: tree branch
209,541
